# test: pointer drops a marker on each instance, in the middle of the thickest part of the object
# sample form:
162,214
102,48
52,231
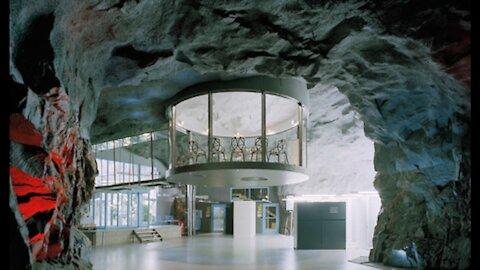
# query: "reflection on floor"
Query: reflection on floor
214,252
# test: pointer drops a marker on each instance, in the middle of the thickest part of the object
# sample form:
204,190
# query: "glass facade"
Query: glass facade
130,159
121,209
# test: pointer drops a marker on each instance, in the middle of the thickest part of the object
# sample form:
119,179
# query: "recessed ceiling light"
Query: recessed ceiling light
254,179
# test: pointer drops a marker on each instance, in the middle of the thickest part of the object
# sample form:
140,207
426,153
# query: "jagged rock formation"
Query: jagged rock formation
51,175
383,66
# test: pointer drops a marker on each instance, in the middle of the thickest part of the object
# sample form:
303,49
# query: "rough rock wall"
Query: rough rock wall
419,121
340,157
51,175
417,116
51,169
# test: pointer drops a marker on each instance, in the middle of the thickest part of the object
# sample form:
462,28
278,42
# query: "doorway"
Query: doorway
270,218
218,217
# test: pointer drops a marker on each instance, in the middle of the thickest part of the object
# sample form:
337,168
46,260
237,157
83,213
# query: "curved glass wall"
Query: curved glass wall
238,126
240,133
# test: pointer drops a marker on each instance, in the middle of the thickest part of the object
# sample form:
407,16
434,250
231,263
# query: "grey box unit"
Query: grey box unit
320,225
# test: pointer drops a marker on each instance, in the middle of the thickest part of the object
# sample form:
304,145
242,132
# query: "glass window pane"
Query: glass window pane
109,210
127,170
240,194
144,208
111,172
145,172
259,194
109,145
271,212
122,211
218,219
99,201
160,153
104,172
118,161
304,137
134,209
136,172
271,223
153,207
118,171
282,130
115,209
191,135
237,122
134,155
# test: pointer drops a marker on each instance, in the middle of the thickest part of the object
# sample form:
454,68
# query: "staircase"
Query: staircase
147,235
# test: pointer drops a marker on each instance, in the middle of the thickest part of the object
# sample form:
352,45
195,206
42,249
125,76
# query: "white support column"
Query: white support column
244,219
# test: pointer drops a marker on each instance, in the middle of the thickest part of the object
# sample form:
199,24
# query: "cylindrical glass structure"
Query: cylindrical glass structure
247,125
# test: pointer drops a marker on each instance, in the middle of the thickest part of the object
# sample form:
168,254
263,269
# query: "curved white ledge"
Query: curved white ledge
237,174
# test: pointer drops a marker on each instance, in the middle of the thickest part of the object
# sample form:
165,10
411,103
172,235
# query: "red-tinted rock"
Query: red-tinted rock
22,131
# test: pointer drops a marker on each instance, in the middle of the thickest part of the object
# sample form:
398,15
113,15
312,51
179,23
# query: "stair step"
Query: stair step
152,240
149,238
148,235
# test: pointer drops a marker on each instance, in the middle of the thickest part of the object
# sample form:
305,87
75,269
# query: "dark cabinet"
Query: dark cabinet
321,225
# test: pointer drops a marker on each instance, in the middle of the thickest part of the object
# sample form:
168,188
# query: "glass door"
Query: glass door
218,218
144,209
270,218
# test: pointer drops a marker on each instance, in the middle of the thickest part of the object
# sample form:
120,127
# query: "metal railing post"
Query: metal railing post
172,138
210,126
300,135
264,128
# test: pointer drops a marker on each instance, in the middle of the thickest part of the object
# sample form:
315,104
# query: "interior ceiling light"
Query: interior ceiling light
254,178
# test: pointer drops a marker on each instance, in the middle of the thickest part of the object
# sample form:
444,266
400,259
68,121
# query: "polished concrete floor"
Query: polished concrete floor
213,252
